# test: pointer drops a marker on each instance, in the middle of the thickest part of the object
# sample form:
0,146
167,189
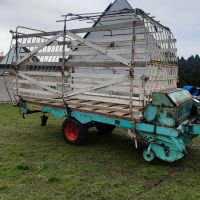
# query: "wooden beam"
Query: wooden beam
38,83
98,86
100,49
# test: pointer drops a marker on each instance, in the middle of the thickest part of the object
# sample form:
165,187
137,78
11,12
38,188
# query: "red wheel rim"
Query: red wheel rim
71,132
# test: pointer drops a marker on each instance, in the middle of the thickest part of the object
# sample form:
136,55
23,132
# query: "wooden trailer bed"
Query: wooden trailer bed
118,111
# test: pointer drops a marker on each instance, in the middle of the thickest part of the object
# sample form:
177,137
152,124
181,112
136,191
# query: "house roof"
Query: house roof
10,57
115,6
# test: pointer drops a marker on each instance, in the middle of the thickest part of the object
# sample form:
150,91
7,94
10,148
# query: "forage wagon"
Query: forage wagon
122,71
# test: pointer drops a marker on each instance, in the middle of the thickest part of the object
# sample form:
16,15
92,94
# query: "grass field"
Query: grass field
36,163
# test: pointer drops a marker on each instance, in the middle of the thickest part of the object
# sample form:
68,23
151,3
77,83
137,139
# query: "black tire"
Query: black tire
104,128
74,132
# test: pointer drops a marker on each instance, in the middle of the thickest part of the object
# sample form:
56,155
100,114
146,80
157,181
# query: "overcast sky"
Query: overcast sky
181,16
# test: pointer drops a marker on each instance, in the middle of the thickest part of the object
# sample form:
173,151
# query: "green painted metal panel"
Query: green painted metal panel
161,99
180,97
166,117
196,129
87,117
56,112
150,112
168,155
164,147
161,115
156,129
183,111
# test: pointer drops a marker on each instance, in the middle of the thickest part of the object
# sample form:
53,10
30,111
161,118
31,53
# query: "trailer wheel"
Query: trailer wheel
74,132
104,128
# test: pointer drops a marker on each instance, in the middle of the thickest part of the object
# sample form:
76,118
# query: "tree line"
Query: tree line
189,71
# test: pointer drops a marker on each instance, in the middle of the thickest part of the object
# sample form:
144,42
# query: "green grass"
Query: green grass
36,163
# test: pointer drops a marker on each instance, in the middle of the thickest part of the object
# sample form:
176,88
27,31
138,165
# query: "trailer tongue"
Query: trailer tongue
123,72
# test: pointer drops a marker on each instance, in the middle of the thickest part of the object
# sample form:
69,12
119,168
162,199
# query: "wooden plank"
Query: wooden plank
102,58
100,106
101,85
125,43
108,99
118,88
86,81
100,49
73,64
81,84
117,51
36,82
118,38
47,83
102,64
44,73
95,75
39,99
44,64
94,64
102,111
74,75
120,114
110,95
33,91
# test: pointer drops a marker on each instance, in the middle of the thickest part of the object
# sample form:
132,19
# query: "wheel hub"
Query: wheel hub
71,132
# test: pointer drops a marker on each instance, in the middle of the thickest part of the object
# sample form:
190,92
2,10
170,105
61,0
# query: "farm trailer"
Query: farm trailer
122,71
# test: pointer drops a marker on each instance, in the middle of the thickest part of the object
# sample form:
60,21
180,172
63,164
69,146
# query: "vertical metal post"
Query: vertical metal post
132,68
63,61
63,64
16,67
